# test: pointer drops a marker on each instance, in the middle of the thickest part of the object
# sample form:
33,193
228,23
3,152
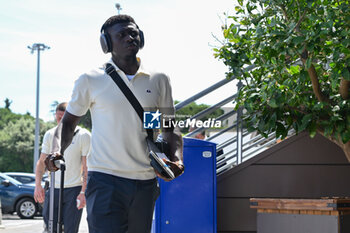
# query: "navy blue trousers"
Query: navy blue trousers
71,215
119,205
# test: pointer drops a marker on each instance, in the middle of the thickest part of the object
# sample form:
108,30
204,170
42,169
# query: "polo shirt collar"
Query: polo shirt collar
141,69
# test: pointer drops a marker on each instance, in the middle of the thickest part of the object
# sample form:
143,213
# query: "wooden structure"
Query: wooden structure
296,168
327,215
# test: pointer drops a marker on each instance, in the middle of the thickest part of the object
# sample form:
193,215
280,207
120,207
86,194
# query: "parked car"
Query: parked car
18,197
26,177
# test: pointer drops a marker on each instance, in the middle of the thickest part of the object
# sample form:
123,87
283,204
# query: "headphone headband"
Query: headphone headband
104,26
105,40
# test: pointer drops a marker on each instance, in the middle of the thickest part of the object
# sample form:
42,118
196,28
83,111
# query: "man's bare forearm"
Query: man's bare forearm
174,138
40,169
84,173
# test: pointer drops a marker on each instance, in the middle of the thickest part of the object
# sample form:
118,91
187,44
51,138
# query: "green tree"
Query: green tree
8,102
53,106
194,108
6,116
17,140
301,53
85,121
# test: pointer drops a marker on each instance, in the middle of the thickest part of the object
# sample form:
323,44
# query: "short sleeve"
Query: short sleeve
85,143
46,145
80,100
166,103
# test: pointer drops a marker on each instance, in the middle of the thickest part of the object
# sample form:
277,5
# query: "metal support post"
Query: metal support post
37,127
60,200
119,8
239,129
38,47
52,202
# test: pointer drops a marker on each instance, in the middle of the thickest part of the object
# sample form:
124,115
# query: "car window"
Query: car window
6,177
1,180
24,179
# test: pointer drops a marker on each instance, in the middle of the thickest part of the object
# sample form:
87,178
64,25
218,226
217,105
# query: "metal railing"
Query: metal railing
235,144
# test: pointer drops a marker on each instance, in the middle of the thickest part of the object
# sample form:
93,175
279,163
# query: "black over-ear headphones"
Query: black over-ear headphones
106,42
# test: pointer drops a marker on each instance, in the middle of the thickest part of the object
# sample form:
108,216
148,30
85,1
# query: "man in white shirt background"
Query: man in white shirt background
74,179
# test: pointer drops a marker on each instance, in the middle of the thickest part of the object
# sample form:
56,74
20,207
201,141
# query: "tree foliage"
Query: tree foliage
53,106
17,140
8,102
194,108
85,121
300,51
6,116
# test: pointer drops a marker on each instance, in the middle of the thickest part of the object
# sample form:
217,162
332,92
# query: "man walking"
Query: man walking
122,186
75,176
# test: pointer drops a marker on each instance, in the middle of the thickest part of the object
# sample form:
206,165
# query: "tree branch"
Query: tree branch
344,89
296,109
315,83
284,12
314,78
298,8
297,26
311,70
344,146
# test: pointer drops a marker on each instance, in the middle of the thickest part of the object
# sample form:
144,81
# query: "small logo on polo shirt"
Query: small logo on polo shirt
151,120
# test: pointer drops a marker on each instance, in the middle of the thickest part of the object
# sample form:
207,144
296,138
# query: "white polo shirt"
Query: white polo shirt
118,138
79,147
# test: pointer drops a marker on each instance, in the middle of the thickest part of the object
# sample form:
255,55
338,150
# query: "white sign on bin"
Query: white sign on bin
206,154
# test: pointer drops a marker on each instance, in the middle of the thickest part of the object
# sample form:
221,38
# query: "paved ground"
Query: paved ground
13,224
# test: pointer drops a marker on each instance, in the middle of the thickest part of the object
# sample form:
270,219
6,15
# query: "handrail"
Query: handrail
214,107
240,146
222,117
209,90
221,132
232,140
202,93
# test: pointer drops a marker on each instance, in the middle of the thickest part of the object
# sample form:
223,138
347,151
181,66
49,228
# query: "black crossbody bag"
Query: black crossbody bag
157,150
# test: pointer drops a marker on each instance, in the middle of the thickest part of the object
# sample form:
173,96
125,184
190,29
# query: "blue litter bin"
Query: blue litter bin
188,203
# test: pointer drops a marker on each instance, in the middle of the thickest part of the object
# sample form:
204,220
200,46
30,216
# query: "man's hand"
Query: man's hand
81,201
39,194
50,161
176,167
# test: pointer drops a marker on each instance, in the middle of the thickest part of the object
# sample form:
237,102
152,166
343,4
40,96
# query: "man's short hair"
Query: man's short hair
117,19
61,107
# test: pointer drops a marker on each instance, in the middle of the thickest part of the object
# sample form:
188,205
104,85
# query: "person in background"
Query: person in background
200,135
74,179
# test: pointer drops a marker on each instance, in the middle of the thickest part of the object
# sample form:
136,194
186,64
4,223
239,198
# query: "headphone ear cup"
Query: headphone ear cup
142,39
105,43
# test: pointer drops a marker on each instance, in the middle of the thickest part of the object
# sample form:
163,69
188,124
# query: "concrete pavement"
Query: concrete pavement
13,224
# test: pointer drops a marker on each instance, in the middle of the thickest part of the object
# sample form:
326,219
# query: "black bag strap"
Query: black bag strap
110,70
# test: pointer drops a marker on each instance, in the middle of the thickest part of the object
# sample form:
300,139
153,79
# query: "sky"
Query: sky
179,39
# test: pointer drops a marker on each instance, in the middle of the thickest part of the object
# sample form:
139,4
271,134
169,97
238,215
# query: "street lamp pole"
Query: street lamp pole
119,8
38,47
